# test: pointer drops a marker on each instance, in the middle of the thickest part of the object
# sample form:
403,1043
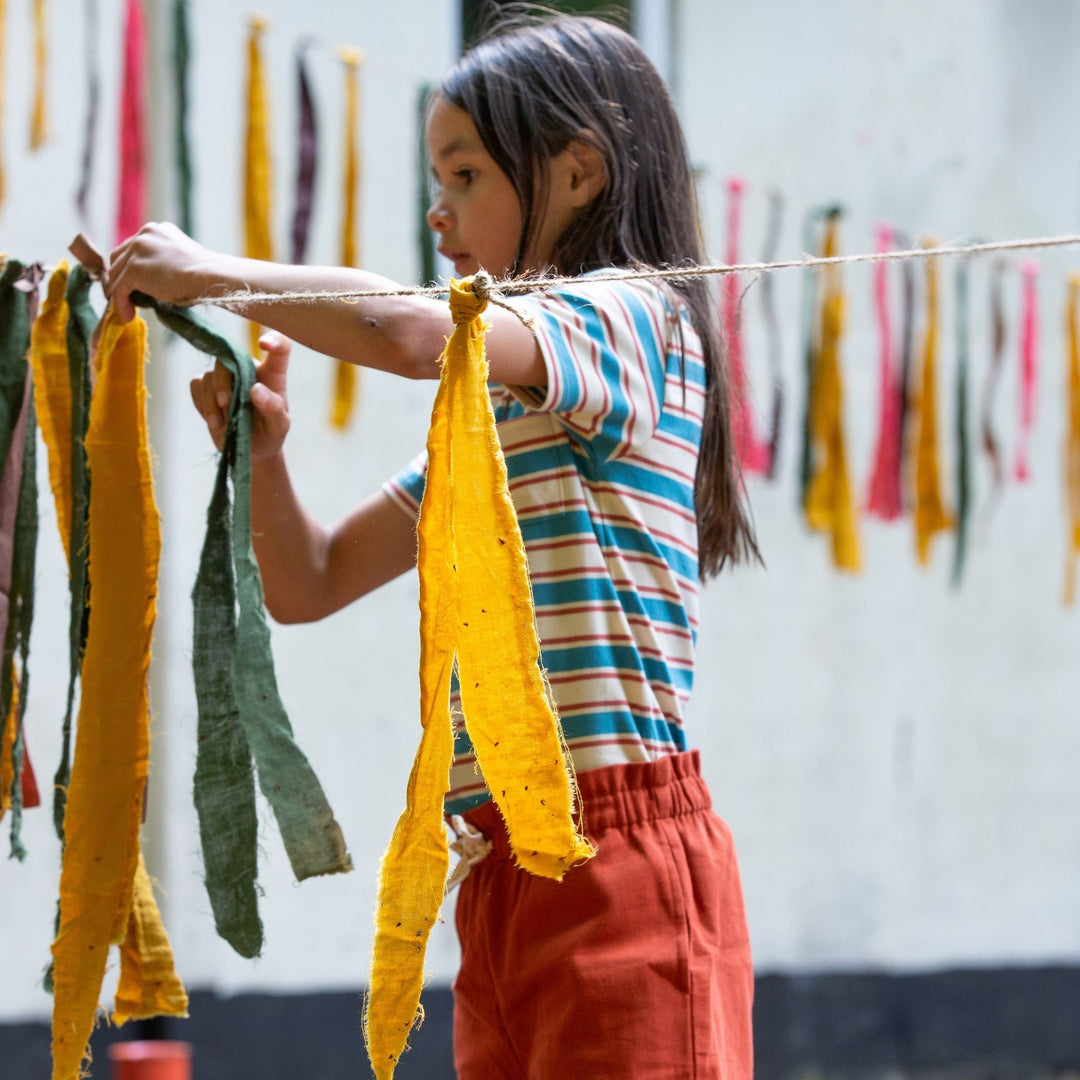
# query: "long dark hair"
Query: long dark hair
535,84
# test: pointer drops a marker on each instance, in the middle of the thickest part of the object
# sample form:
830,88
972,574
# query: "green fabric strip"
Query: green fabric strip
14,388
963,440
80,327
180,58
234,677
21,610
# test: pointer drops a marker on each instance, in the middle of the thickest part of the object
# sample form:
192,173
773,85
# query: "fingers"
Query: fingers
211,394
272,370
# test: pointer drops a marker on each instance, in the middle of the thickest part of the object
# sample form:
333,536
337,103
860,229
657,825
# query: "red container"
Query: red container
156,1059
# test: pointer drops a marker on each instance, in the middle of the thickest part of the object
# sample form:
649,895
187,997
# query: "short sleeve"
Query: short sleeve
605,346
406,487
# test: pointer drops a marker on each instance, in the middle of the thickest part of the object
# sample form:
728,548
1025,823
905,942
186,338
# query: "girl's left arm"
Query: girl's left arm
400,334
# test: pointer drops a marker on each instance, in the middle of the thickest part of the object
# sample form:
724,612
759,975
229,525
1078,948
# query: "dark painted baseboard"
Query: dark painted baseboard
1014,1023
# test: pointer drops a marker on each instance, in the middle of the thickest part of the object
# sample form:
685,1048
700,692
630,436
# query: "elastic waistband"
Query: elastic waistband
619,796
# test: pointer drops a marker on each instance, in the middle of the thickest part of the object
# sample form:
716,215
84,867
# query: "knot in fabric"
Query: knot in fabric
469,297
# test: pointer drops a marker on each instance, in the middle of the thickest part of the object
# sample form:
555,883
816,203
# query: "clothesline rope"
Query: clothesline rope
501,288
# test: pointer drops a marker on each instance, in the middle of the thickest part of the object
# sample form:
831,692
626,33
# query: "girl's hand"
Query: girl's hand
163,262
212,392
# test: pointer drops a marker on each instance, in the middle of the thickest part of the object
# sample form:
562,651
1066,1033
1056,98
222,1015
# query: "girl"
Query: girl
555,146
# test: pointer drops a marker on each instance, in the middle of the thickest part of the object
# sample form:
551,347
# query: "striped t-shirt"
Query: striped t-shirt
601,470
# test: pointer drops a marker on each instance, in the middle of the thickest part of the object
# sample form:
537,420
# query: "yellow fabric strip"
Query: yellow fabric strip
7,746
475,602
258,173
39,122
108,777
830,504
930,514
149,985
1072,439
52,395
347,376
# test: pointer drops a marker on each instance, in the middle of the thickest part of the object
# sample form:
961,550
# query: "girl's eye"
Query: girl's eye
465,175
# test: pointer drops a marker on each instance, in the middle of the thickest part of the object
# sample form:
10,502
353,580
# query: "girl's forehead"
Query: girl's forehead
450,129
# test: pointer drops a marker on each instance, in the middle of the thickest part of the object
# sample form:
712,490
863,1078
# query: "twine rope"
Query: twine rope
497,290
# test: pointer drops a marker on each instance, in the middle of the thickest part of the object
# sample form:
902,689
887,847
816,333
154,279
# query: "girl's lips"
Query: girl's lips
454,256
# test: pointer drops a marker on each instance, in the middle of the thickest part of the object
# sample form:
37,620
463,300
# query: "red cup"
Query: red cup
157,1059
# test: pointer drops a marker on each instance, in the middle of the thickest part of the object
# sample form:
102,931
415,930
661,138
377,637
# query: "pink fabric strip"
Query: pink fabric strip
10,481
753,454
131,204
1029,359
883,497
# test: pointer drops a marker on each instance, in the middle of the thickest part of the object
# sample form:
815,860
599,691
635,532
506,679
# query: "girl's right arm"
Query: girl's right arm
401,334
308,570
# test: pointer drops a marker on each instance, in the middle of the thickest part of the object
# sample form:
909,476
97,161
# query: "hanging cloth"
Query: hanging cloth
772,332
1072,440
425,238
907,367
830,505
347,376
963,449
93,101
258,173
1029,370
18,530
883,497
39,123
240,712
108,776
131,205
81,321
930,514
476,617
990,441
149,985
3,67
307,139
752,453
181,60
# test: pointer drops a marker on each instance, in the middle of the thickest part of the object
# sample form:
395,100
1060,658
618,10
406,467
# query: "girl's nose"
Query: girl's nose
437,217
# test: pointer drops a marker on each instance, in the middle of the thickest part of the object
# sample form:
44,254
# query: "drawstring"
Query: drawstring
470,844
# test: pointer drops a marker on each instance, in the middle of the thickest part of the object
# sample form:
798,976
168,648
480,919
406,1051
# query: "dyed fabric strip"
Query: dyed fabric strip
258,175
931,517
425,238
346,376
181,60
960,404
307,158
752,453
39,120
907,368
811,352
108,779
476,615
883,497
830,503
1071,455
131,203
1029,367
18,529
772,331
991,444
93,103
240,711
3,66
149,985
80,328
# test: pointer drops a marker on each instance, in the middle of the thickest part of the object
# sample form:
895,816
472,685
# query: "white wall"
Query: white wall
896,759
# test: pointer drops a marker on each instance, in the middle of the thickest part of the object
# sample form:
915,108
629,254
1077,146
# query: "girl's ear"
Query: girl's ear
584,172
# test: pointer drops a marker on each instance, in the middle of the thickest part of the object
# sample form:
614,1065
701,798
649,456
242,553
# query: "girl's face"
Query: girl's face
476,212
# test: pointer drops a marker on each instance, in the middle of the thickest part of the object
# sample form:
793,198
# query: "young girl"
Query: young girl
555,146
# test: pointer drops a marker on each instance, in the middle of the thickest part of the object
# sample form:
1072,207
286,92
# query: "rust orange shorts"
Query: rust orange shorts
635,967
